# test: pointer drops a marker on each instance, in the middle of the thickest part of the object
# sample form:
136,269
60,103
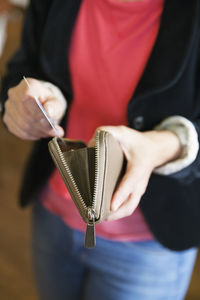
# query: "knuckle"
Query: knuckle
30,127
27,127
25,135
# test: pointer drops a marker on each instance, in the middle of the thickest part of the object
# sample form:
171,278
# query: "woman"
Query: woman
132,68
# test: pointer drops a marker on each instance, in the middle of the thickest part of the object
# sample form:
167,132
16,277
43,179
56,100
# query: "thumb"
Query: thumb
59,131
54,108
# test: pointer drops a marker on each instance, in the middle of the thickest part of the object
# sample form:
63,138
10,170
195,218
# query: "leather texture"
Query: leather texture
94,171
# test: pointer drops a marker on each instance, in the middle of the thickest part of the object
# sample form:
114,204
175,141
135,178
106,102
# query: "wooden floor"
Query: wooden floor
16,282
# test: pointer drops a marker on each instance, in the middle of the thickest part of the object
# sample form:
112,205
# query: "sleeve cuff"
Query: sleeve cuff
188,137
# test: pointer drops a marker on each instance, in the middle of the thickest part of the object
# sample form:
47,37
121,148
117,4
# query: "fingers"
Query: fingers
123,191
126,209
53,105
128,194
59,131
124,135
24,118
114,130
54,109
141,153
28,124
120,133
17,131
135,180
26,132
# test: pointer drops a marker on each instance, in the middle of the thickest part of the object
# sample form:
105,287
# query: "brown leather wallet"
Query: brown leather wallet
91,175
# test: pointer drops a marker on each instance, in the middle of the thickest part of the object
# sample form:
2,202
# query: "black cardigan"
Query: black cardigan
170,85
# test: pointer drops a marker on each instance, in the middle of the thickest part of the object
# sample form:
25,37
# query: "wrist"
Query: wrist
167,146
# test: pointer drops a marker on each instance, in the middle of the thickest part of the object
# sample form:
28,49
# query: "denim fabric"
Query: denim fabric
65,270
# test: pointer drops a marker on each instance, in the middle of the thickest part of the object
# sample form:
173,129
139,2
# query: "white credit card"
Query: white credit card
41,107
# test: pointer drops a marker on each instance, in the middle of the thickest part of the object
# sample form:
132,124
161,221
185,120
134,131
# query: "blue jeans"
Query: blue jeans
65,270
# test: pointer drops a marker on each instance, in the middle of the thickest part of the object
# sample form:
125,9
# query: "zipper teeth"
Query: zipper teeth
83,205
96,170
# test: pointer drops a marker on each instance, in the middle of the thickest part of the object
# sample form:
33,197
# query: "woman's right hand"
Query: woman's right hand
22,115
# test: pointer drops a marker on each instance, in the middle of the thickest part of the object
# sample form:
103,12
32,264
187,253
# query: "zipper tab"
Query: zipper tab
90,238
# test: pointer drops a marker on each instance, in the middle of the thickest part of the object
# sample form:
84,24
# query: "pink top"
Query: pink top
110,46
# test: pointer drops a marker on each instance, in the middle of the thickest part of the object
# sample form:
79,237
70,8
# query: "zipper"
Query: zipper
89,212
90,237
96,176
82,206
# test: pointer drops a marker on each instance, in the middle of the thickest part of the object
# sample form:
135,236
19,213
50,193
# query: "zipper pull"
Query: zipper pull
90,238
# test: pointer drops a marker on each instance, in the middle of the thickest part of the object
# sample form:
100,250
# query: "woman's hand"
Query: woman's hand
144,152
22,115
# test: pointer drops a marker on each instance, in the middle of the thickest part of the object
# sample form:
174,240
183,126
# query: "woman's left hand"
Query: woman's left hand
144,152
